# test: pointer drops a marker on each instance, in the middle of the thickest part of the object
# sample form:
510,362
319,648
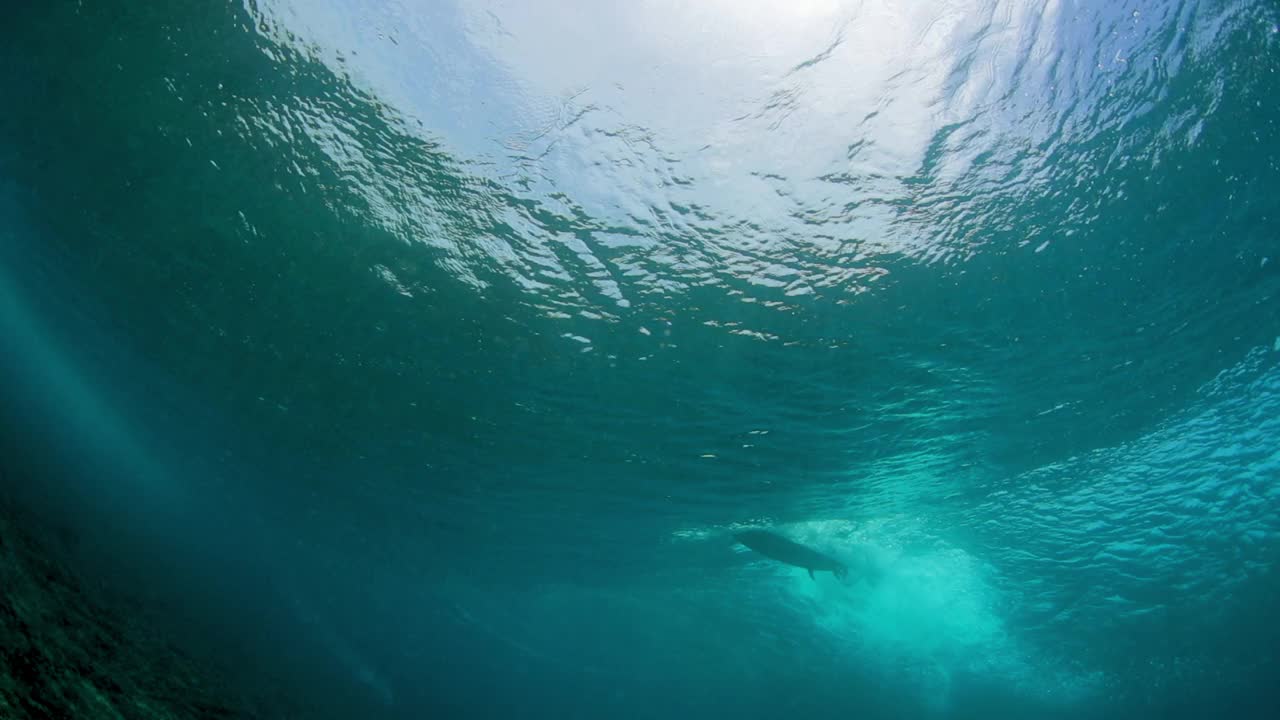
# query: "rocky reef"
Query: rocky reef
72,648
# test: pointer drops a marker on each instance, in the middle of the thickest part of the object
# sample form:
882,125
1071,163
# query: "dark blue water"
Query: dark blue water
419,360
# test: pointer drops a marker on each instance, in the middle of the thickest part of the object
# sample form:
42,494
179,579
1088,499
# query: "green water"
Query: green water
428,356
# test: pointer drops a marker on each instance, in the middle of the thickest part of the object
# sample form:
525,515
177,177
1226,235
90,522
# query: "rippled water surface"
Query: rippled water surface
421,358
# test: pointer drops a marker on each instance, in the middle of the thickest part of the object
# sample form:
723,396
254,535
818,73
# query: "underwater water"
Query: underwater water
405,360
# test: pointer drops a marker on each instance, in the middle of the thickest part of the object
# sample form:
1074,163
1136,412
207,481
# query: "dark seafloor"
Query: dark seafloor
402,359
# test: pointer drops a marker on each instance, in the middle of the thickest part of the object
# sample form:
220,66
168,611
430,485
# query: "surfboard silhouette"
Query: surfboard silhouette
784,550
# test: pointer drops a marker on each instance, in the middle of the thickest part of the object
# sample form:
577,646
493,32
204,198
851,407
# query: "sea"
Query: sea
421,358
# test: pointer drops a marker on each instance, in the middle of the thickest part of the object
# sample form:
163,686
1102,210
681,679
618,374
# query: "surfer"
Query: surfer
777,547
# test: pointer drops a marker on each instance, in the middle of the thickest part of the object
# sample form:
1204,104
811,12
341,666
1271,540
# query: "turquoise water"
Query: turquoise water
420,359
